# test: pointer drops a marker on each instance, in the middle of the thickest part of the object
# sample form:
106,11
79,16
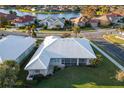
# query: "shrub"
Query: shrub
56,69
66,35
120,76
45,27
30,83
96,61
38,77
34,34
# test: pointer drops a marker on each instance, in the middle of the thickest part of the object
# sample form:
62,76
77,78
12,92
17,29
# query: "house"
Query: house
113,17
23,21
107,19
53,23
7,16
104,20
60,52
15,47
79,21
119,11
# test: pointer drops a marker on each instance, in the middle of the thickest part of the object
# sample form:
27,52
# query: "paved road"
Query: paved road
112,49
115,51
109,57
94,36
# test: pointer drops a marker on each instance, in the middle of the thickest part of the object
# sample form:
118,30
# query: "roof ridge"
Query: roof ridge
38,55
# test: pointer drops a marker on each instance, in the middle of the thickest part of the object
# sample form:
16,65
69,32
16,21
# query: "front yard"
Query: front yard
83,77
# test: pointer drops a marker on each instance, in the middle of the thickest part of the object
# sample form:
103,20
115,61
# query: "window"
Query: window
37,71
69,61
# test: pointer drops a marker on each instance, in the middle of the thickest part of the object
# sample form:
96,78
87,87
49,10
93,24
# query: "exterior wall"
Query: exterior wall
94,24
36,72
56,62
60,62
23,24
27,52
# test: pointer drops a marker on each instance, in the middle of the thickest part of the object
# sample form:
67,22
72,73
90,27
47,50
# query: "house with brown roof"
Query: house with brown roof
23,21
107,19
80,21
104,20
7,16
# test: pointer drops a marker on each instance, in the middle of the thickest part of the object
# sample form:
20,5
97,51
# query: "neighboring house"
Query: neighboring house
119,11
7,16
53,23
60,52
23,21
104,20
15,47
114,17
79,21
107,19
119,22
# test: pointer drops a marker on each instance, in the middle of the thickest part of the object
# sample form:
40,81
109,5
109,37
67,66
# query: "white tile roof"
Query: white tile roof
54,47
11,47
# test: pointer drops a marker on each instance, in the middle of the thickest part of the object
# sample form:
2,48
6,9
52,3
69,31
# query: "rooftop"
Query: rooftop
11,47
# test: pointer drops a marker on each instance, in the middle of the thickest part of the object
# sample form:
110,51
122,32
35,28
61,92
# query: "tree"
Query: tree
12,12
66,35
8,73
96,61
89,11
76,30
28,28
3,22
120,76
102,9
33,27
33,34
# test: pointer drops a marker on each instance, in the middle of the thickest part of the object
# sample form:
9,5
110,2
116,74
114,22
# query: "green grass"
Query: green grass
89,29
84,77
57,31
113,39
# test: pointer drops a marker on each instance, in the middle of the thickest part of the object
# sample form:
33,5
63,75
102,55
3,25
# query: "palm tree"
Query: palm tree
28,29
76,30
89,11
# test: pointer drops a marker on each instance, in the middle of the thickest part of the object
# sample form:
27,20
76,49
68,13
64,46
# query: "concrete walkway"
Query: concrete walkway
107,56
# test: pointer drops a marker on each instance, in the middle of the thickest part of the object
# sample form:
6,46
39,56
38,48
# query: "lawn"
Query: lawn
113,39
83,77
55,31
88,29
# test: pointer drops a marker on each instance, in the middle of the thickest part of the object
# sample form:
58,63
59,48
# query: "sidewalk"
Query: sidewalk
107,56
